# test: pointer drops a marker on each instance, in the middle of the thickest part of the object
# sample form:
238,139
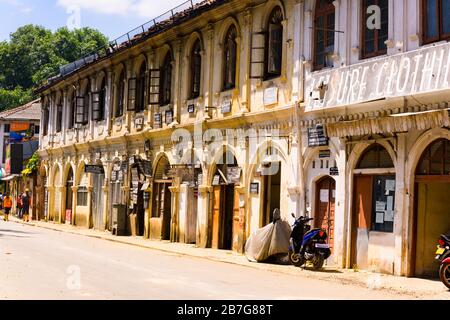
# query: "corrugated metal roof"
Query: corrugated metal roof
29,111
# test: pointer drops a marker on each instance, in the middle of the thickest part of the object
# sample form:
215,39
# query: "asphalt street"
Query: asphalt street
44,264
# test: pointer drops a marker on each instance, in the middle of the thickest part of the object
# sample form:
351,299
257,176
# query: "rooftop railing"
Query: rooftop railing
163,20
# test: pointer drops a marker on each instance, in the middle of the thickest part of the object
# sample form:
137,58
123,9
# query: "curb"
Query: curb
322,276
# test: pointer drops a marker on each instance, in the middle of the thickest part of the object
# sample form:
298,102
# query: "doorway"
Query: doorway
69,195
271,198
222,229
374,189
162,201
432,206
325,207
97,201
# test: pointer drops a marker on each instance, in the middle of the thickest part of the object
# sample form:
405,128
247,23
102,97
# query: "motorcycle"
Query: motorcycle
443,256
308,245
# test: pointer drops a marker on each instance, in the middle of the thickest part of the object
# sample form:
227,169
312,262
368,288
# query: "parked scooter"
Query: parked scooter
443,256
308,245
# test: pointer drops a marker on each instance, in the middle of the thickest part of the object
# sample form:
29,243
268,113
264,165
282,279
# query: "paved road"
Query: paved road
38,263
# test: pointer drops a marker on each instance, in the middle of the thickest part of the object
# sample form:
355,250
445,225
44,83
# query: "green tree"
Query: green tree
34,54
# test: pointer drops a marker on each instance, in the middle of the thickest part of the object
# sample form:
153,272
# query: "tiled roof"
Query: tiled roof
157,27
29,111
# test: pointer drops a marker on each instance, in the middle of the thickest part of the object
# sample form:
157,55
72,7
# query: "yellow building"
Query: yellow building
190,125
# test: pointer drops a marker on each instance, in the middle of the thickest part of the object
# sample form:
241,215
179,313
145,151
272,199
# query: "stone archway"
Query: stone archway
431,206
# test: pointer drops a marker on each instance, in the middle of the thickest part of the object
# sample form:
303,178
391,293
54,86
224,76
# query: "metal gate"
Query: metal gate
97,201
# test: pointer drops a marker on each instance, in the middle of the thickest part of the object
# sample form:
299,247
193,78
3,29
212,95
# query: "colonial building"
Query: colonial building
336,109
375,122
190,124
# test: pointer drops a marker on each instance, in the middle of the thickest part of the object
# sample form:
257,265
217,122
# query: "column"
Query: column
203,210
175,227
74,204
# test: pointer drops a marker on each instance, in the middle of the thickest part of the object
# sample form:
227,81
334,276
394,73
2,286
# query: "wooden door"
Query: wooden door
238,224
217,192
325,207
362,220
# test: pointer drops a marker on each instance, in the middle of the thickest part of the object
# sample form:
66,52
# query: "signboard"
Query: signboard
94,169
169,116
334,171
158,120
226,106
19,126
216,180
254,188
234,175
146,167
419,71
317,137
191,108
271,96
324,154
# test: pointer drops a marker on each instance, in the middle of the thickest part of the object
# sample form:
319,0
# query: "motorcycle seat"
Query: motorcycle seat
446,237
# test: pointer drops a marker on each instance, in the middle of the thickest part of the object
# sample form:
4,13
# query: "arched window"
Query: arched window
99,102
141,85
436,20
59,114
229,59
45,121
71,111
196,69
375,157
373,39
165,94
120,95
274,48
324,29
87,103
435,160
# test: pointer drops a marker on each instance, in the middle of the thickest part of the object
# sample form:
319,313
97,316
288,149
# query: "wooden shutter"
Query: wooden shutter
96,107
153,88
79,112
131,106
257,55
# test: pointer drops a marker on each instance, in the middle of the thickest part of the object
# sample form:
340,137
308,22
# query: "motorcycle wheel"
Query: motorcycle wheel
444,274
318,262
295,259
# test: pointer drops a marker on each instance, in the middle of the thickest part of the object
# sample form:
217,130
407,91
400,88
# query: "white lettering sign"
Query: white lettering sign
415,72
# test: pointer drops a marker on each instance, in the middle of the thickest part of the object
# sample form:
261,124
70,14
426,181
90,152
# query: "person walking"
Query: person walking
26,206
7,205
19,206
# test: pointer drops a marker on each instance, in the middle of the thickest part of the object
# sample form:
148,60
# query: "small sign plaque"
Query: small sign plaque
317,137
254,188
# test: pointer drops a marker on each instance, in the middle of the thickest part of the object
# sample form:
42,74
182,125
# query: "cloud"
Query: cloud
19,5
142,8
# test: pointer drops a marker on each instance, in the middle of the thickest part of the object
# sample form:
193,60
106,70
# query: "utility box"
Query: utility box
119,220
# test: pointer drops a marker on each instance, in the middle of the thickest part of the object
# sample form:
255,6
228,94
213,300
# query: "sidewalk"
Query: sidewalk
416,288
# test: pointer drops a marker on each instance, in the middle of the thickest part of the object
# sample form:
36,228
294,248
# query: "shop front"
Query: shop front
226,219
161,207
432,206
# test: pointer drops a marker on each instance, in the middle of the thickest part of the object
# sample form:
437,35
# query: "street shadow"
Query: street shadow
14,231
5,233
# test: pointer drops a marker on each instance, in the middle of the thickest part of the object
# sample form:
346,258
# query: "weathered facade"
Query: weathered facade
114,129
382,97
349,99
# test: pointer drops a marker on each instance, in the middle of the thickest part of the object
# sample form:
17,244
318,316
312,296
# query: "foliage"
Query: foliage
14,97
32,166
33,54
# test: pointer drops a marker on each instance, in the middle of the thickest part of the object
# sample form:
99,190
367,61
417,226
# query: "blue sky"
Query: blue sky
112,17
